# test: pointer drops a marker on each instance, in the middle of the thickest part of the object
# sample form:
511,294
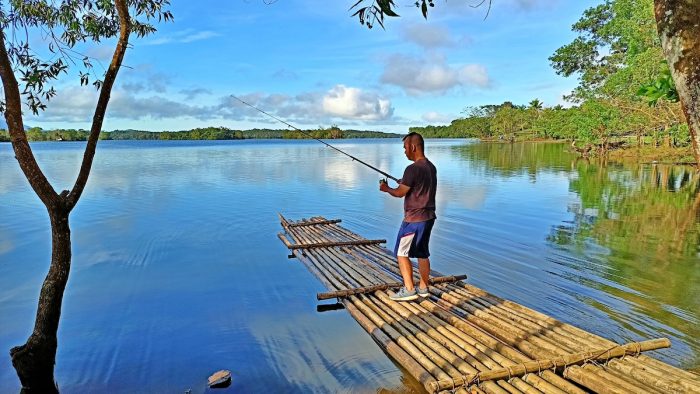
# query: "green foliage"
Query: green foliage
611,38
64,24
206,133
662,88
371,12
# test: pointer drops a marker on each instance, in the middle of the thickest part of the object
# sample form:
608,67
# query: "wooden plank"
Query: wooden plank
383,286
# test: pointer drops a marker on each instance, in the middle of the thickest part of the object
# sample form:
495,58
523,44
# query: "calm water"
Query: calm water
177,270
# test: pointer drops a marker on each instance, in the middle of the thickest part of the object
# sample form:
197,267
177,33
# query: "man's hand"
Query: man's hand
383,186
400,190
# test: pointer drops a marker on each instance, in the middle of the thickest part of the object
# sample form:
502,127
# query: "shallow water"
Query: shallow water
177,270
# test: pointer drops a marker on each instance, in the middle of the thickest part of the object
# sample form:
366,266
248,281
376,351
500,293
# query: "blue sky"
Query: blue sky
312,64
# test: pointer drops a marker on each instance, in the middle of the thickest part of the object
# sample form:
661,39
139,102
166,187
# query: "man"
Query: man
417,187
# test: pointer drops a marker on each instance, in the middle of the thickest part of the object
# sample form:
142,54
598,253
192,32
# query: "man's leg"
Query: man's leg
406,272
424,269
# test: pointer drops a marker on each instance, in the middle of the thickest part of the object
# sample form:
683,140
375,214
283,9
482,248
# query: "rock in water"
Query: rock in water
220,379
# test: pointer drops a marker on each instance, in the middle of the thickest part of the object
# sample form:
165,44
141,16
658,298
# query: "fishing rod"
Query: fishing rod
321,141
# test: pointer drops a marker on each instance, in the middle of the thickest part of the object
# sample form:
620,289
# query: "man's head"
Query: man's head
413,146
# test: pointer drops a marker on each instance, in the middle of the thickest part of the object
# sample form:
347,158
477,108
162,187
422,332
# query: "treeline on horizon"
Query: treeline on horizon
206,133
625,93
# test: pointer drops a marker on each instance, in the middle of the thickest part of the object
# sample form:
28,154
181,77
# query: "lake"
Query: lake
177,270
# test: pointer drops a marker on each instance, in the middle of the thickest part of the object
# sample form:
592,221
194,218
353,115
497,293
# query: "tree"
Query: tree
64,25
536,105
677,24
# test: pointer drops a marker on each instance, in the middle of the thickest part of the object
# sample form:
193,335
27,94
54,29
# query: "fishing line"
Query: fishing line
321,141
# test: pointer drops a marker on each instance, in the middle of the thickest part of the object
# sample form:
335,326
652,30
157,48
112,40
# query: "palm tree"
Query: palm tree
536,104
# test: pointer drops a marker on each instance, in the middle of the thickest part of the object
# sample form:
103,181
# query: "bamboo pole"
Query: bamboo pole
438,354
433,345
393,344
336,243
505,332
543,385
442,341
505,385
489,358
652,362
663,380
592,381
524,386
562,362
616,381
561,383
313,223
549,330
503,313
390,346
528,327
384,286
402,342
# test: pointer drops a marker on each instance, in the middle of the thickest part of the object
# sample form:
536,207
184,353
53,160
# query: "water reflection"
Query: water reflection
633,233
640,223
177,271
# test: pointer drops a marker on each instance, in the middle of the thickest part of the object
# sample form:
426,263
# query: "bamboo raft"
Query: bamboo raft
462,339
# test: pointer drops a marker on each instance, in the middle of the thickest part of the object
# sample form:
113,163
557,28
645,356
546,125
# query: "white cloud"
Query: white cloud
183,36
475,75
428,36
152,82
340,104
77,104
436,117
202,35
431,75
353,103
467,9
102,53
192,93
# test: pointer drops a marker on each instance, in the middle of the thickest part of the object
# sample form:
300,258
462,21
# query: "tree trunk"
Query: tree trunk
678,27
34,361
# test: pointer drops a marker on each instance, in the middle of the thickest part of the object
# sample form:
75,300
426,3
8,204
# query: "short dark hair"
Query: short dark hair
415,138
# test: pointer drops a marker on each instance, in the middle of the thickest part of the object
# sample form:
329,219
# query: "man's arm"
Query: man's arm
400,191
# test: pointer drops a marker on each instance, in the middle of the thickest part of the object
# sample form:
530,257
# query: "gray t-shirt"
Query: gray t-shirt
419,203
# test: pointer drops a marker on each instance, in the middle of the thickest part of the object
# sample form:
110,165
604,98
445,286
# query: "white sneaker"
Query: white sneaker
404,295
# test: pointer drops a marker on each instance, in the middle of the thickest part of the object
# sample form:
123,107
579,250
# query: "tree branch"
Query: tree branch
103,100
15,125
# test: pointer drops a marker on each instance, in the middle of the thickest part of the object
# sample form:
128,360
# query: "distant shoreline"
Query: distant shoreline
205,134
